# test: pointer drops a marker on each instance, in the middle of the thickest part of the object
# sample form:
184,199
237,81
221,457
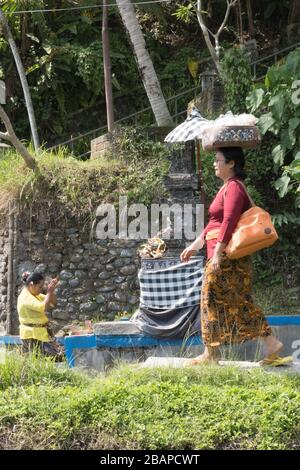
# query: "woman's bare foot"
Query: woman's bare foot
209,356
203,359
273,347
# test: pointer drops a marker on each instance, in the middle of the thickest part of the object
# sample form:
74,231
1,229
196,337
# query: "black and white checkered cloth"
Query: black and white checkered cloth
190,129
173,287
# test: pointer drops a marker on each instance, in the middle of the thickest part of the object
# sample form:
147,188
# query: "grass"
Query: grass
277,299
43,407
75,188
61,178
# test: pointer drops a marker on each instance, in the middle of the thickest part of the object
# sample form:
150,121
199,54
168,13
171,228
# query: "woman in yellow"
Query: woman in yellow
32,306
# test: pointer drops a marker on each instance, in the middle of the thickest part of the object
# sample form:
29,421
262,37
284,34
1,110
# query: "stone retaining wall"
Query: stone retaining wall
97,280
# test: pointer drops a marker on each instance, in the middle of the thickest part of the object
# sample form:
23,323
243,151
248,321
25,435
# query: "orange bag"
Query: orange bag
253,232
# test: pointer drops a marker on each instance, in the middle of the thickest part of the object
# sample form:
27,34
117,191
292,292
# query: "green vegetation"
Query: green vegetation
62,55
75,188
280,96
209,407
275,298
236,78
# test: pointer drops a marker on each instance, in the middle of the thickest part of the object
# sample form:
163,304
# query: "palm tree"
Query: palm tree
9,37
145,65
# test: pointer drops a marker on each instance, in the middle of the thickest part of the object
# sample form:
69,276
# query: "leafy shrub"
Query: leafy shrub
278,106
192,408
236,78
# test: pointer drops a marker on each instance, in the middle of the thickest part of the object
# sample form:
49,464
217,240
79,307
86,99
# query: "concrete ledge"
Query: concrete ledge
116,328
122,341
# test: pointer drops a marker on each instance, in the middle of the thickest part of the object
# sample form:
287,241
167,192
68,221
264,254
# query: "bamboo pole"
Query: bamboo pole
10,269
201,181
107,69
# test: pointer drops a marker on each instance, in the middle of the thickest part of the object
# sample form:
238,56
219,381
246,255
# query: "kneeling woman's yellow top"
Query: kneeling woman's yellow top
31,310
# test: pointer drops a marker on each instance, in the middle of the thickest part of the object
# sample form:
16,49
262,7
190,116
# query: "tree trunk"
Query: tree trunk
250,18
239,21
145,65
293,27
207,39
294,13
11,137
8,35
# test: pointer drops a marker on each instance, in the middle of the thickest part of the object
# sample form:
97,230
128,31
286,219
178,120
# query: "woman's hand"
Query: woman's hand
216,263
191,250
52,285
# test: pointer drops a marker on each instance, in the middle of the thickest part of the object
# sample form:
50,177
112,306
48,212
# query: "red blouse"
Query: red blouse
225,211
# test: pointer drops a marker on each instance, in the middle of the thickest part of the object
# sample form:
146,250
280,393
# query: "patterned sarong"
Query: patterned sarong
228,314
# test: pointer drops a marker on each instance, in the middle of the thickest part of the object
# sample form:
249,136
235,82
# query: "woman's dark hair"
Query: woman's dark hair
235,154
34,277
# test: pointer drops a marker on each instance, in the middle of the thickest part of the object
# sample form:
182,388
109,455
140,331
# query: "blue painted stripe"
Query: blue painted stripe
282,320
12,340
78,342
8,339
140,341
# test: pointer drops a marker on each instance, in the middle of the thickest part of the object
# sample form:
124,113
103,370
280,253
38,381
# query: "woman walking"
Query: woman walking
228,313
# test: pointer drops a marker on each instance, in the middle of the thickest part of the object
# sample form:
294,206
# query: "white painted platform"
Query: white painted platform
184,362
177,362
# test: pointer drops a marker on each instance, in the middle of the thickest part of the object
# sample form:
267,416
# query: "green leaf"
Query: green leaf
48,49
117,55
33,68
72,28
115,82
296,157
255,99
48,70
272,77
60,96
266,122
277,105
292,63
33,38
287,139
297,201
282,185
278,155
294,123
